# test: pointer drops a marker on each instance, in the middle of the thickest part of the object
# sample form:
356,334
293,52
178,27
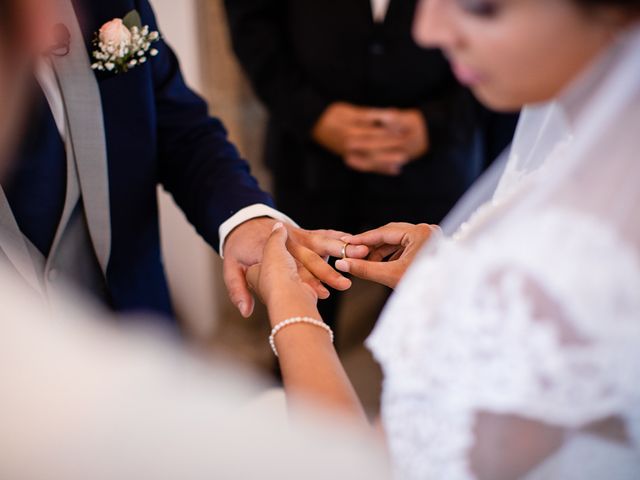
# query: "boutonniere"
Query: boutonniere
122,44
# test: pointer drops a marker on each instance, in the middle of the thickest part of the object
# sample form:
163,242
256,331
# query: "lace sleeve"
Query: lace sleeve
516,326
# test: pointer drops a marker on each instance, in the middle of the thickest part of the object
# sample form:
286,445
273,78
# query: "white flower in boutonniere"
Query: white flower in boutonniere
121,44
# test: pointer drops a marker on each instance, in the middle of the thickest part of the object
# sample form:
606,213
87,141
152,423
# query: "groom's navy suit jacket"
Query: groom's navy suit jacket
158,132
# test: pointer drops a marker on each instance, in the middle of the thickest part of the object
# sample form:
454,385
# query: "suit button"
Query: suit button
376,48
53,275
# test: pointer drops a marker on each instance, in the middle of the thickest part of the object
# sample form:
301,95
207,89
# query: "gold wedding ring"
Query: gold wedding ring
344,250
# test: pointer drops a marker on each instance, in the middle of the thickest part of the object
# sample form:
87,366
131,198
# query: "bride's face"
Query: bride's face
514,52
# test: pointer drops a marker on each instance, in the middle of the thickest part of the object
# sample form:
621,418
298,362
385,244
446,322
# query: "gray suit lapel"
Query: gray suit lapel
71,199
14,246
83,106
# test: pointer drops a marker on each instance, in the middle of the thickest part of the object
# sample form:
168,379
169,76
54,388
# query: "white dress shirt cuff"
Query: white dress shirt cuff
246,214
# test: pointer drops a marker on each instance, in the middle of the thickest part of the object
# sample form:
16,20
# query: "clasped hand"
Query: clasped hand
373,140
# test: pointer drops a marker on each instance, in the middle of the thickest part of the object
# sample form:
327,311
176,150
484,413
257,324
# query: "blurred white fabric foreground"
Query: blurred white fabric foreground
82,399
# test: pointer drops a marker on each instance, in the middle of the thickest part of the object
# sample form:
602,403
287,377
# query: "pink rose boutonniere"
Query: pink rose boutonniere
122,44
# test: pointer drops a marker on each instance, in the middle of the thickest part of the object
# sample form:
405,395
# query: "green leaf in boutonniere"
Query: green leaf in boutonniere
132,19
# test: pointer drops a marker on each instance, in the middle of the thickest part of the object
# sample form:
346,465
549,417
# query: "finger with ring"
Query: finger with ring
344,250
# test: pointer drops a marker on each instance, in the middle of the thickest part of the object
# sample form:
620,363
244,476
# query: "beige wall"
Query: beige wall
189,261
197,31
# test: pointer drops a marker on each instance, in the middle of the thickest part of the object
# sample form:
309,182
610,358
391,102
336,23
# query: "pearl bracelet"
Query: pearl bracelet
293,321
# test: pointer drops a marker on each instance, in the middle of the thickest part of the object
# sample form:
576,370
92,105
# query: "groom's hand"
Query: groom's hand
245,245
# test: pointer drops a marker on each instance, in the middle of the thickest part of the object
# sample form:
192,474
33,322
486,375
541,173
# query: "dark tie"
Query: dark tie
37,186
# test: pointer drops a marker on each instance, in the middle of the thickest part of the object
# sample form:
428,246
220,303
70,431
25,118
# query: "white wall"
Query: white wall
178,21
188,259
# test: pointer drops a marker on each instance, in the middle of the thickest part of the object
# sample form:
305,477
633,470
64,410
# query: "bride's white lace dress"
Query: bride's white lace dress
529,317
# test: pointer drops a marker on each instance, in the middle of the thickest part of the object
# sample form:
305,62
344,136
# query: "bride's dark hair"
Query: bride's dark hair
632,5
8,18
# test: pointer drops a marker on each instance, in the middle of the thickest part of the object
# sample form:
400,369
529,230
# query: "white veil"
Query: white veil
529,322
600,106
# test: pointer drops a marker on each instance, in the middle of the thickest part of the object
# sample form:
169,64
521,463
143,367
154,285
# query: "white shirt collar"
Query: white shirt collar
379,9
46,77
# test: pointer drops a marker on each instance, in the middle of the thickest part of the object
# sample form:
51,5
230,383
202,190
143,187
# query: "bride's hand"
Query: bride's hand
393,248
279,281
